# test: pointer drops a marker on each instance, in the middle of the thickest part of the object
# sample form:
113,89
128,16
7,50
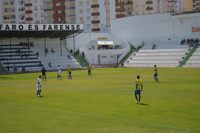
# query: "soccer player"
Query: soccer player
89,70
138,89
38,86
155,73
59,76
44,78
69,69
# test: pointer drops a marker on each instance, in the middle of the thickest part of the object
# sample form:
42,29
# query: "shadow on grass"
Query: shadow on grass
40,96
143,104
5,77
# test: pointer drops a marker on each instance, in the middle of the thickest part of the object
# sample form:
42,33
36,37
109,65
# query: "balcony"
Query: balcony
96,29
119,4
149,8
95,21
120,10
120,15
29,19
29,12
28,4
129,3
149,2
95,14
95,6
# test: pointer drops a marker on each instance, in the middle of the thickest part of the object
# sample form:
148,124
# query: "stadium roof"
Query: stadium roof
37,34
39,30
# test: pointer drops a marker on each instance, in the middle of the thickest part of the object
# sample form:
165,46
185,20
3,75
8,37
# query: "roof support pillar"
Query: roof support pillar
45,47
60,46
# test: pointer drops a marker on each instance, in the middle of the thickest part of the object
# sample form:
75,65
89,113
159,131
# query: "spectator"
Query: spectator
15,68
40,63
69,57
46,50
83,54
143,43
154,46
23,69
49,64
52,50
93,47
37,54
8,68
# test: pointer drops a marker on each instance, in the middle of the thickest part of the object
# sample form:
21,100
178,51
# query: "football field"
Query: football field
102,103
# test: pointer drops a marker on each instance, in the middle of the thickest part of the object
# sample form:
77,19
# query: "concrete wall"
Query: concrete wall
156,28
84,38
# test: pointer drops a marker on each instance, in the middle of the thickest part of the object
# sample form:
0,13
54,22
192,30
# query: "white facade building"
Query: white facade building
92,14
34,11
1,11
20,11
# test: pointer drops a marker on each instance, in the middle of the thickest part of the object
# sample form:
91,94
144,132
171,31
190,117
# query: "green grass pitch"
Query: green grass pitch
103,103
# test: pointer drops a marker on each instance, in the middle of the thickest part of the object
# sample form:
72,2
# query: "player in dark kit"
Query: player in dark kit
89,70
69,69
155,76
44,78
138,89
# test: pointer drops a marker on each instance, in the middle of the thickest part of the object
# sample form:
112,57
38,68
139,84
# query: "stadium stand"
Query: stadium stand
159,57
22,57
194,61
17,57
53,55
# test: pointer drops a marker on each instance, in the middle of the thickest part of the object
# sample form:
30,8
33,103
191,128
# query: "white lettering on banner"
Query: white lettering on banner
40,27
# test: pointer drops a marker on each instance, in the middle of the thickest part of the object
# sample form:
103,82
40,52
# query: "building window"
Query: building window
88,25
88,10
35,15
88,18
81,19
81,3
81,11
12,2
87,3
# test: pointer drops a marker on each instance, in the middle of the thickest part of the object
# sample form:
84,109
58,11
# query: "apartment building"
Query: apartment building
146,7
125,8
48,11
92,14
120,8
20,11
172,6
70,11
1,11
107,12
34,11
8,11
196,5
59,11
186,5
